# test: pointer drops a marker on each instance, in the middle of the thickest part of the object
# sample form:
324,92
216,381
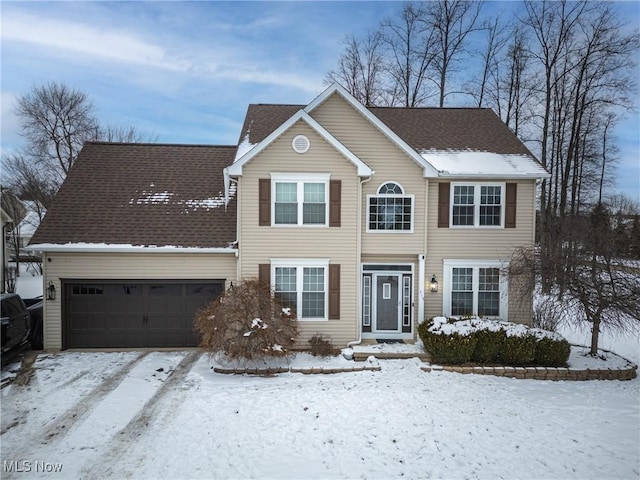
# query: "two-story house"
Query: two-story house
366,220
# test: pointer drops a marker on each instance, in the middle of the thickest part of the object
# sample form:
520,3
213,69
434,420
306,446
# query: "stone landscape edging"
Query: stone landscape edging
530,373
304,370
542,373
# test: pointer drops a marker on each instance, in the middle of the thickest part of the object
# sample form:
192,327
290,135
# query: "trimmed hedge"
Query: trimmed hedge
451,349
518,351
551,353
490,343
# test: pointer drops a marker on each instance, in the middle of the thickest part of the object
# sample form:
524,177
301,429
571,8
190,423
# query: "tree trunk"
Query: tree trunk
595,333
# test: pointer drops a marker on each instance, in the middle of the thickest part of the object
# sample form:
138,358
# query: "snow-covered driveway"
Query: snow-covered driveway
167,415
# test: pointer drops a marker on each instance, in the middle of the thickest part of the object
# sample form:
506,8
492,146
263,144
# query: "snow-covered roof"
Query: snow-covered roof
4,217
426,134
468,163
124,195
153,197
336,88
29,224
244,146
82,247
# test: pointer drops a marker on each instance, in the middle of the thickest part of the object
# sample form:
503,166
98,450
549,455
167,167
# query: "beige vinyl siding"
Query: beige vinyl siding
338,244
389,163
150,266
478,243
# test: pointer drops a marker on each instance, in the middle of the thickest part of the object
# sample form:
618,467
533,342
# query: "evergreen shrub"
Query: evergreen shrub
484,342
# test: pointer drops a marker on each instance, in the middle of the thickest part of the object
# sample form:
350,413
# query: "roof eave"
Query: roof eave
492,176
106,248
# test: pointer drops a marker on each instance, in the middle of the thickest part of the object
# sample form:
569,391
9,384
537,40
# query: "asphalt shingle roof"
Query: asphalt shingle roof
173,195
143,194
478,129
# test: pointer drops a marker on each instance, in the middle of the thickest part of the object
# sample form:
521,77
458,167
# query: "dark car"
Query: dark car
34,305
16,321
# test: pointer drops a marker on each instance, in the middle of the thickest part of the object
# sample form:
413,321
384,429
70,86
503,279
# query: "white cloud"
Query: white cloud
86,40
79,42
9,125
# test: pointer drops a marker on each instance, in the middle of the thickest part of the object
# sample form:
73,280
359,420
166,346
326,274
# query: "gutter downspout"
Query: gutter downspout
421,262
238,215
359,262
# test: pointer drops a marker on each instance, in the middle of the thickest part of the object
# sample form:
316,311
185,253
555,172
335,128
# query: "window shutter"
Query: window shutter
335,194
444,190
510,205
264,273
264,202
334,292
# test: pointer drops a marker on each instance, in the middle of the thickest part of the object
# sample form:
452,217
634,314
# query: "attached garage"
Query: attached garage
138,238
118,313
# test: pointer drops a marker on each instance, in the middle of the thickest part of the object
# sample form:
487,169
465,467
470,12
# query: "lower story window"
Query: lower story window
303,288
475,288
489,292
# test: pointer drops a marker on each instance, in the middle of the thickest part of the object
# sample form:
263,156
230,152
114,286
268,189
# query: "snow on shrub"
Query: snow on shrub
478,340
247,322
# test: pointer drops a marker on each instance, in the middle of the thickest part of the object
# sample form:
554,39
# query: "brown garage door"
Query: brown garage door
134,314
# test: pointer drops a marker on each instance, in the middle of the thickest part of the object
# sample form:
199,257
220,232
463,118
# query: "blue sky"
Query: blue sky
186,71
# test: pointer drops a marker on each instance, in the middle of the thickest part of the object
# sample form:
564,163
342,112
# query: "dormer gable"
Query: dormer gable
246,151
335,89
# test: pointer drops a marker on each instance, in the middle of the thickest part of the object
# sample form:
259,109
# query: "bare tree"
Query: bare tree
450,22
409,42
12,205
361,68
586,58
518,82
56,121
620,202
29,181
128,134
552,24
495,42
599,289
604,290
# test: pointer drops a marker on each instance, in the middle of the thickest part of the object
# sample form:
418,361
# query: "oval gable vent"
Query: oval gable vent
300,144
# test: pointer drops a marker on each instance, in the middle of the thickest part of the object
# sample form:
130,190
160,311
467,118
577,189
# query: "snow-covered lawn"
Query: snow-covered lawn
168,415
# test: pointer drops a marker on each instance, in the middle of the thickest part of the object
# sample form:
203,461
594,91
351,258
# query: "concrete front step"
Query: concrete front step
362,356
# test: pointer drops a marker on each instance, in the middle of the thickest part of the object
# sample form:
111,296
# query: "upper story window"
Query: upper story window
477,205
300,199
390,210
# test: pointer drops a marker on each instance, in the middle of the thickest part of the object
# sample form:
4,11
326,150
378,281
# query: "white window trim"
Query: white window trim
300,179
449,265
299,264
476,203
381,195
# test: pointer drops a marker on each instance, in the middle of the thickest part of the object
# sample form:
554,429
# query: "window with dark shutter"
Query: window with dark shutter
334,292
511,201
264,201
335,194
444,190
